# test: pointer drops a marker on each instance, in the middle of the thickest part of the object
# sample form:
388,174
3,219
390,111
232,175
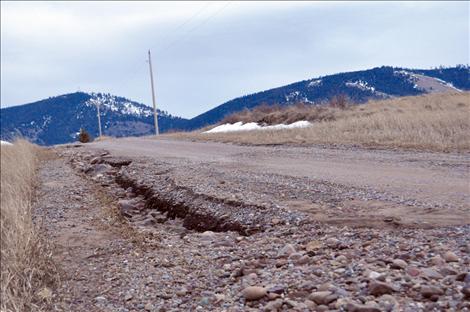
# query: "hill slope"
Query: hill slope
57,120
360,86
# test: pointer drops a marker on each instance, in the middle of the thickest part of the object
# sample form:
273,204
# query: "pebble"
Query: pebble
322,297
437,260
254,293
430,273
273,305
313,246
398,264
356,307
451,257
430,291
377,288
287,250
466,291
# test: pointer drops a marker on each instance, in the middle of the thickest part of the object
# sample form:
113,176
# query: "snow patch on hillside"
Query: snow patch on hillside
426,83
240,126
5,143
296,96
314,83
362,85
120,105
447,84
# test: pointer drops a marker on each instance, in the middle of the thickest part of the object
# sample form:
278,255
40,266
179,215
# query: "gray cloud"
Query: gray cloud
225,51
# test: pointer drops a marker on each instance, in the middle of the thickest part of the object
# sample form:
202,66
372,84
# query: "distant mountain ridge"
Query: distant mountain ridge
57,119
359,86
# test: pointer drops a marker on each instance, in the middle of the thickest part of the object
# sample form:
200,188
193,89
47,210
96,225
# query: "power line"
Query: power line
194,28
186,21
139,65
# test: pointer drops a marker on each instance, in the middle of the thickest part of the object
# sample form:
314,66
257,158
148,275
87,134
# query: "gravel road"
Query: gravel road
205,232
427,188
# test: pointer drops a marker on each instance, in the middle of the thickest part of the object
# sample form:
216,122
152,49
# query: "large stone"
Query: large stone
96,160
273,305
313,246
126,207
287,250
430,273
356,307
322,297
430,291
254,293
377,288
398,264
451,257
466,291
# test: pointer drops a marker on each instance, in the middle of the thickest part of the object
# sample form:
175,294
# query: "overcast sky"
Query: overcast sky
205,53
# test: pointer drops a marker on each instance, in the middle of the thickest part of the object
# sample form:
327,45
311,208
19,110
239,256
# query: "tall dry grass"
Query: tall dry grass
26,267
438,122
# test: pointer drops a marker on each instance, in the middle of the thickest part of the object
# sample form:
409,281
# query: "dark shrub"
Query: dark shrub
84,136
339,101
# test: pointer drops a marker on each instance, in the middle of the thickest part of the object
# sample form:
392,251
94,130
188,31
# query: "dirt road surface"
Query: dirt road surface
406,183
162,225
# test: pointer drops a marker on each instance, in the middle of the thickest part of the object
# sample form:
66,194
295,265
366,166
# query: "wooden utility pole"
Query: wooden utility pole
153,96
99,117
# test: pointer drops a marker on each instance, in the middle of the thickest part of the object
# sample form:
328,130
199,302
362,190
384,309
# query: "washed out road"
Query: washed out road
144,224
424,187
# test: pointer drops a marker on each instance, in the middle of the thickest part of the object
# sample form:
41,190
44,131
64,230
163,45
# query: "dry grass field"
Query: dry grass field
26,267
439,122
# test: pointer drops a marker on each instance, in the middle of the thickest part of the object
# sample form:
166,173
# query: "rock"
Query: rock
388,302
430,291
463,277
149,307
323,297
310,304
374,275
413,271
100,299
277,289
377,288
96,160
313,246
273,296
437,260
219,297
448,271
451,257
147,222
181,292
303,260
355,307
126,207
273,305
254,293
332,242
430,273
128,297
45,294
466,291
275,221
100,168
287,250
204,301
398,264
295,256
